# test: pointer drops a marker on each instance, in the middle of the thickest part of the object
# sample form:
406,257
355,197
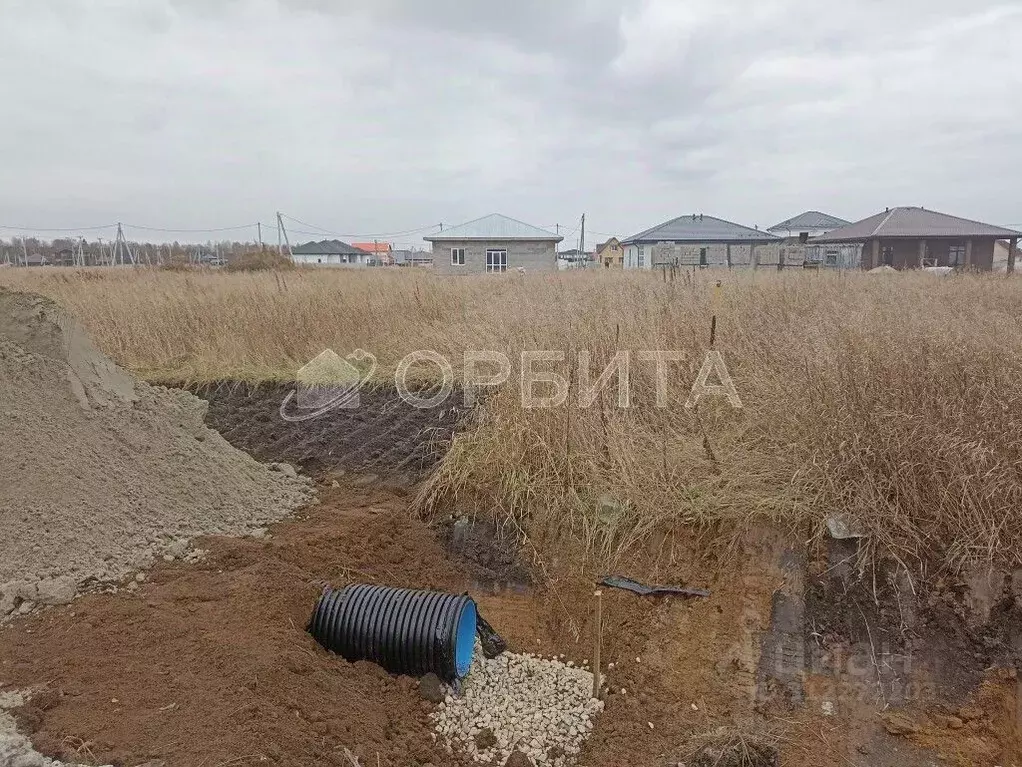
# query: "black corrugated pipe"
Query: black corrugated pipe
405,631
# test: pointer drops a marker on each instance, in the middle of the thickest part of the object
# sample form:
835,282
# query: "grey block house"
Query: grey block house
697,240
494,244
800,233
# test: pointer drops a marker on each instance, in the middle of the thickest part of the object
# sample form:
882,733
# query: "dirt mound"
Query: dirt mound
104,473
383,435
210,663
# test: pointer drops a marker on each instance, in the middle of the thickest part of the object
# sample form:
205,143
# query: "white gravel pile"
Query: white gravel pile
523,702
16,749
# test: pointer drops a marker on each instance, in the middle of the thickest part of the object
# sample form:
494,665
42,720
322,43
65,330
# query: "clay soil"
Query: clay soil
209,664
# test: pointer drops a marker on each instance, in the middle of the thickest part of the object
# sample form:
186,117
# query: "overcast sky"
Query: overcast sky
370,117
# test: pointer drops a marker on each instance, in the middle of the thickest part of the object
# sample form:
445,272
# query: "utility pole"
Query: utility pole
121,247
24,251
282,233
259,232
582,243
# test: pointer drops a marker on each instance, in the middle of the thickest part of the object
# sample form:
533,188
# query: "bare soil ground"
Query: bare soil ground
384,435
210,664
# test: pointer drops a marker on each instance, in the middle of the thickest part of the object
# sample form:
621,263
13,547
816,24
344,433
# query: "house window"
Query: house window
457,256
702,257
831,257
641,258
496,260
887,255
956,255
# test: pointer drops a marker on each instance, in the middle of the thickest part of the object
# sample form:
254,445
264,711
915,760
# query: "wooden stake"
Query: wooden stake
597,643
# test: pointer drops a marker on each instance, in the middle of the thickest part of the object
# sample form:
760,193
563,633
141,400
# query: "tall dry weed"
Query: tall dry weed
890,400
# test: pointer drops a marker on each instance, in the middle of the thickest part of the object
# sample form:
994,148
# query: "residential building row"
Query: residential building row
896,238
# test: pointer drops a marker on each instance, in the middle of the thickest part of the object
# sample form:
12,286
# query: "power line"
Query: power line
193,231
306,231
303,223
58,229
323,230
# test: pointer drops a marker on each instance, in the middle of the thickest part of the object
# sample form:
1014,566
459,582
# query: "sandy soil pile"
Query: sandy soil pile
103,473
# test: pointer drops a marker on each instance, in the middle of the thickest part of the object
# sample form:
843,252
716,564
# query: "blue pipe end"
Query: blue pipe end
466,638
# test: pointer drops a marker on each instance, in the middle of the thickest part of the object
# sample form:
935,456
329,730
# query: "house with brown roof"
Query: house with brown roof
912,238
610,254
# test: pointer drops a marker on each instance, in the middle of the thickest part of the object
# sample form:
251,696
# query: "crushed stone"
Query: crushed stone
103,473
519,702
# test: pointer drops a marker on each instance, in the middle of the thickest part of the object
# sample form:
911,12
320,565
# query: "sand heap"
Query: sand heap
102,473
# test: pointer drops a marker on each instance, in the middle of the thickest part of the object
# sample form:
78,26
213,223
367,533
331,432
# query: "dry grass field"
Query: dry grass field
890,399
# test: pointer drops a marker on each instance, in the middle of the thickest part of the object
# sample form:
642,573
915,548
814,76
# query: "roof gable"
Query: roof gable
808,221
914,223
700,228
495,227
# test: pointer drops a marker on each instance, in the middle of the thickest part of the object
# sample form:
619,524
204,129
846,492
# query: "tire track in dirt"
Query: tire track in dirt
383,435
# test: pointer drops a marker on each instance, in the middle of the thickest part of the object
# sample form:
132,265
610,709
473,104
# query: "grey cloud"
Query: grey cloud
382,116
